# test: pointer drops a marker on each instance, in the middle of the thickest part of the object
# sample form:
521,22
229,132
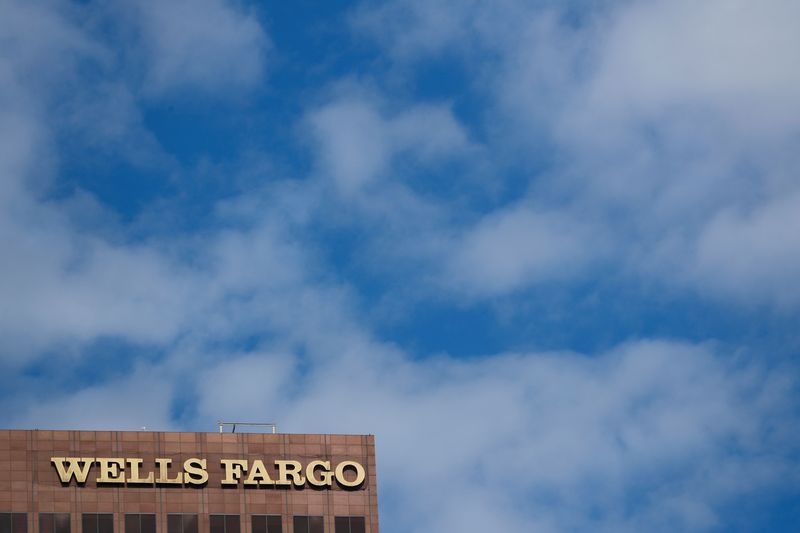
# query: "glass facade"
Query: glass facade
140,523
54,523
224,523
97,523
177,523
13,523
267,524
308,524
181,523
349,524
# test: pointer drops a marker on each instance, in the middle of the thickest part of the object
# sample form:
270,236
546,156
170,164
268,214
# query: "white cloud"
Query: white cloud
513,248
521,439
411,30
141,399
66,286
563,433
754,256
209,45
263,379
353,143
734,57
664,118
69,268
647,434
696,131
57,282
357,141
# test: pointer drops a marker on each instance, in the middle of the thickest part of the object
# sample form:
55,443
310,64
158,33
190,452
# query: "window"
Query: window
13,523
54,523
349,524
224,523
98,523
308,524
140,523
181,523
267,524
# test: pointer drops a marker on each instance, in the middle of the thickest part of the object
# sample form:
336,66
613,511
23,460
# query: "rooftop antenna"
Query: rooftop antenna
273,428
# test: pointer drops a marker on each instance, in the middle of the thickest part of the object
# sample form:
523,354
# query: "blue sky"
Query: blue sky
548,252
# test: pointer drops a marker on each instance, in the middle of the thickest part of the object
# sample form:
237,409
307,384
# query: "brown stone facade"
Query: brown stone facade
29,482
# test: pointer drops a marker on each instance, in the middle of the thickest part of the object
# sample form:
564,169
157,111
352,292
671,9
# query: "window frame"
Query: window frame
349,527
97,522
14,520
54,528
184,525
309,525
225,522
139,517
275,528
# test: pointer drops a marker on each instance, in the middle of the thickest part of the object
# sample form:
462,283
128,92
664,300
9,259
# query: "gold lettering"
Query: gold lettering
163,473
258,474
327,475
195,471
75,468
111,470
233,470
290,468
133,477
360,474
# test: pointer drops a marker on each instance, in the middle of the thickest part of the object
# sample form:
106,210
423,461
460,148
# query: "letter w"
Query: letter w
80,472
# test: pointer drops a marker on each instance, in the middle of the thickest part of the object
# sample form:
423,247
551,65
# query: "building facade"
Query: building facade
159,482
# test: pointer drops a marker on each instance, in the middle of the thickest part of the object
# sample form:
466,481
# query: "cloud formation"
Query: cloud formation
358,142
657,138
213,45
581,147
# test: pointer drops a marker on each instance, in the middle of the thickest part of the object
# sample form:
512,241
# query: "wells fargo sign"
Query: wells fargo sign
132,471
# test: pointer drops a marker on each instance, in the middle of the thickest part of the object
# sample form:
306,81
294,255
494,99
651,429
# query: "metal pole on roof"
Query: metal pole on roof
272,426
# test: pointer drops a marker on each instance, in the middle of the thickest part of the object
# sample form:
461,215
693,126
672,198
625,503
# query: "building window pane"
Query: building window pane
19,522
174,523
357,524
341,524
274,524
181,523
315,524
148,523
132,524
308,524
267,524
224,523
217,523
98,523
13,523
105,523
349,524
89,523
231,523
140,523
61,522
300,524
46,523
190,523
54,523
